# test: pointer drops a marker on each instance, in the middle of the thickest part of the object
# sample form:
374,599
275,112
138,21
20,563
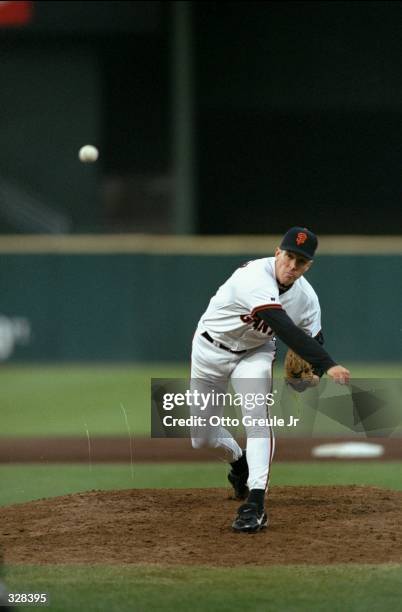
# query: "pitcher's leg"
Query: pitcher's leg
260,437
208,435
253,380
260,452
210,372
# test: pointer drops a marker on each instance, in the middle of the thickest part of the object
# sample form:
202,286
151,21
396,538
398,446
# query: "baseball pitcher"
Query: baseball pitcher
235,341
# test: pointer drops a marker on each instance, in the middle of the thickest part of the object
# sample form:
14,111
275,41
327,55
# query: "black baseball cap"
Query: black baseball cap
301,241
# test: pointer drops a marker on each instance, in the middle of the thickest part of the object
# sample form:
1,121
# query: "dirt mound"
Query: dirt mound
312,525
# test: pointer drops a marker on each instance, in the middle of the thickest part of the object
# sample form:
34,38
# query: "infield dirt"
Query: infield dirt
119,449
312,525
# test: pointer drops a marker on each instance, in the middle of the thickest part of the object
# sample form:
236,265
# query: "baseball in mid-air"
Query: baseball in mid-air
88,154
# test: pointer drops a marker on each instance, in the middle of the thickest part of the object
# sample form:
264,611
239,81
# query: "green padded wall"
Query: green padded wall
145,307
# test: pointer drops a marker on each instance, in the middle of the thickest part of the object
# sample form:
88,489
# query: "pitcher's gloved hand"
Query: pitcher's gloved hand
299,373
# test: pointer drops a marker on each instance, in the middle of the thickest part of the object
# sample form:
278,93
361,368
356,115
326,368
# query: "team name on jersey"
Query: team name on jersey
257,324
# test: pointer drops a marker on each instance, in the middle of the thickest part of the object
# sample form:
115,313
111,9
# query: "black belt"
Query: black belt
222,346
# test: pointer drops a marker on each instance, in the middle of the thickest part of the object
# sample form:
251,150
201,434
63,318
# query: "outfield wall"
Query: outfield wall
139,297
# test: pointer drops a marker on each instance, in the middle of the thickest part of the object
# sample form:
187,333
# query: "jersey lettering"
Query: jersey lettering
247,318
257,323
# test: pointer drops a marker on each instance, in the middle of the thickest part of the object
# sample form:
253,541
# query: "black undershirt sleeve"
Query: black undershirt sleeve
304,345
320,339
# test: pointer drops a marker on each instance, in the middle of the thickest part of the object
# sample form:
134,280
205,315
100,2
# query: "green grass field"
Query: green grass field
25,482
65,400
57,400
286,589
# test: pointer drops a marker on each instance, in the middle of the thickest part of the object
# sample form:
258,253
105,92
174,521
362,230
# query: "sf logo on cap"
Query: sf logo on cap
301,238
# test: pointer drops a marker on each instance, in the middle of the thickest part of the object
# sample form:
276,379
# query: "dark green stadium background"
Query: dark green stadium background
297,110
145,307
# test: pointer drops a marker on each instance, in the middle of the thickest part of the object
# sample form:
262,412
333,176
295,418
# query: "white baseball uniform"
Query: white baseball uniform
230,321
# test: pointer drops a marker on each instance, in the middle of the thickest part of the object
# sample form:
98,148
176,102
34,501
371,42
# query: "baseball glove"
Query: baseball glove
299,373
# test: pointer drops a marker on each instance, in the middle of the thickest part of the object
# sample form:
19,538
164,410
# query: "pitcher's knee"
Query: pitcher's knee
258,432
198,443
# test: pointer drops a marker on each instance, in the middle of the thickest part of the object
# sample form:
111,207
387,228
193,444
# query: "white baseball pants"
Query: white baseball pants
250,373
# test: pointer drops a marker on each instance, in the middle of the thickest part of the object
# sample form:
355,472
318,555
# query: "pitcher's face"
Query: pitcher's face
290,266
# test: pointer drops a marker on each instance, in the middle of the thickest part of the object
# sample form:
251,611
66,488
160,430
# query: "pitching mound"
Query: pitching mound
192,527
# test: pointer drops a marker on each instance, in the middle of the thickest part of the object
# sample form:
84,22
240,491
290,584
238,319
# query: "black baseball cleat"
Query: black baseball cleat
249,519
238,477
